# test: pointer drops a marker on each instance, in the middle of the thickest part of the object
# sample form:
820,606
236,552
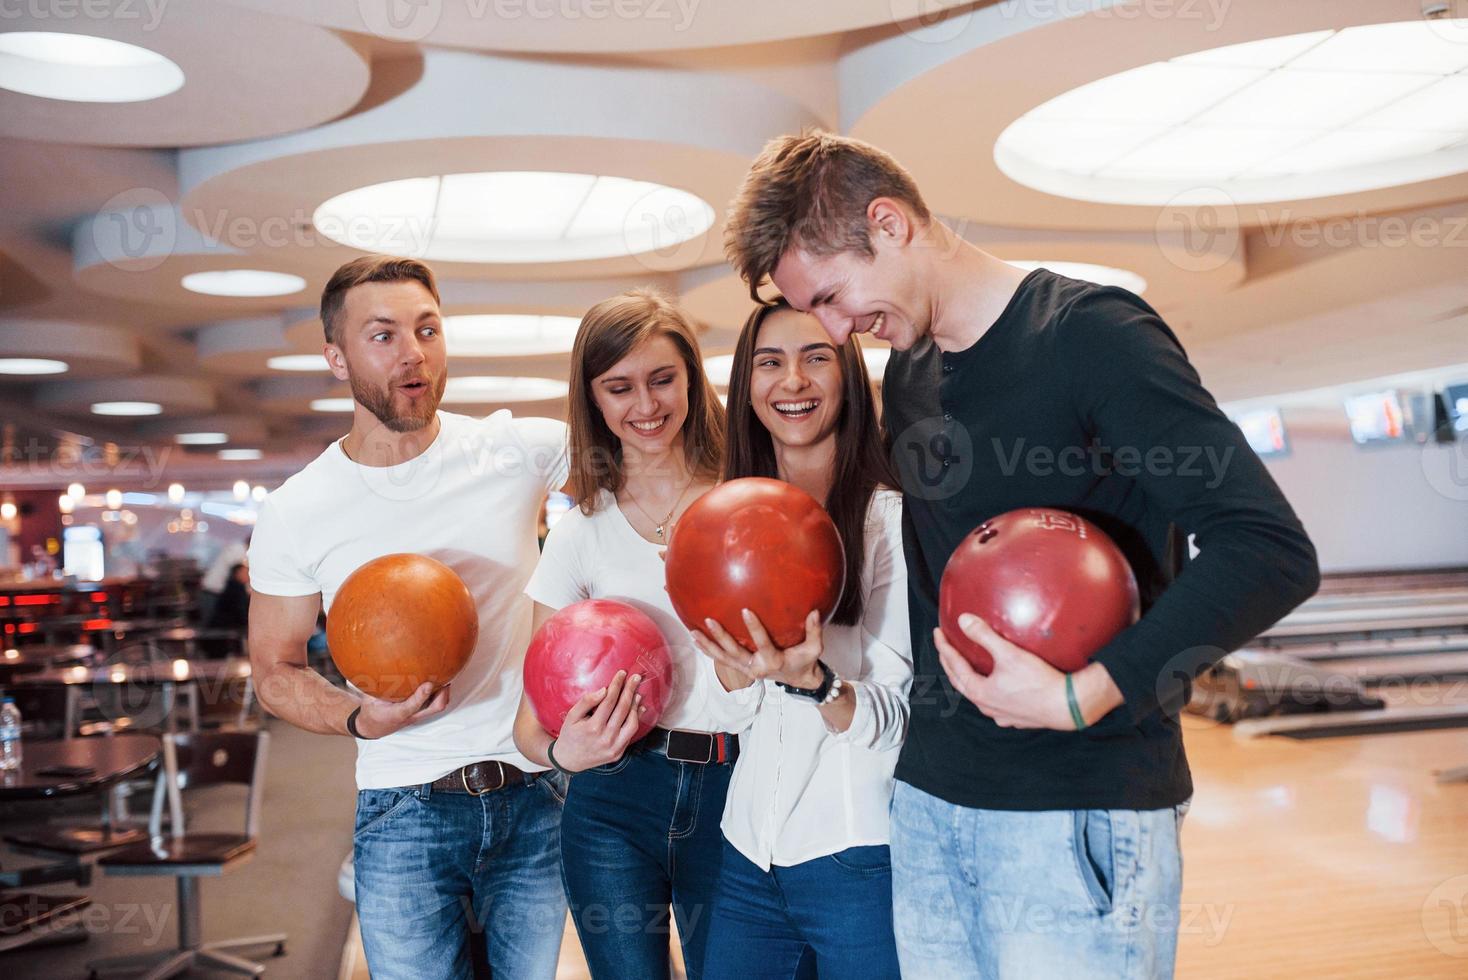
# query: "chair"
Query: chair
190,761
30,918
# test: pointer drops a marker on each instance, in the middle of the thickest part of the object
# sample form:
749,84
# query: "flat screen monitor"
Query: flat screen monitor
1456,399
1265,432
1376,417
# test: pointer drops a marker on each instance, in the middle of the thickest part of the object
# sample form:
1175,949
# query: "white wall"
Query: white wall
1383,507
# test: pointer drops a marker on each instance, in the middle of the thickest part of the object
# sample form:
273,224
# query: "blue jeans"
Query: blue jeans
1050,893
827,917
638,835
434,867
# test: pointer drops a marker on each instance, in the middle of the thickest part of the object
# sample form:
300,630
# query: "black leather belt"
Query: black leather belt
478,778
720,748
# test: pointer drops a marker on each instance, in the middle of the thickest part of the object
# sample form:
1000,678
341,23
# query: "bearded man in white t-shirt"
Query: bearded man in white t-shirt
456,832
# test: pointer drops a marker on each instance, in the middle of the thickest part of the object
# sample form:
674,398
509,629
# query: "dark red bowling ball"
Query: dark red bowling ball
758,544
1046,580
398,621
581,648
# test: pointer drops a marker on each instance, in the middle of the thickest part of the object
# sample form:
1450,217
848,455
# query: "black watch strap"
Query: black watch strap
352,723
816,694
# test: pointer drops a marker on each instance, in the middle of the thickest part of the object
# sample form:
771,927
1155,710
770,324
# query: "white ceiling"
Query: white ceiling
104,208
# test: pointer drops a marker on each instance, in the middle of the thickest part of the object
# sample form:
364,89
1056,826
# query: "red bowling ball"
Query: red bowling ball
581,648
758,544
1046,580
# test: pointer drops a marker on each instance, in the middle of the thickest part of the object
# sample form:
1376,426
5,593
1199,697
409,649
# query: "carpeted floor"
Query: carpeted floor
290,886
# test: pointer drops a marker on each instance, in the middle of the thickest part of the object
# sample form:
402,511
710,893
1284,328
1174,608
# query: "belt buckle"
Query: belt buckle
704,737
464,778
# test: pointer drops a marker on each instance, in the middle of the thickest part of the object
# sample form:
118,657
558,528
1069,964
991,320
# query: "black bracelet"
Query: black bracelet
550,753
352,724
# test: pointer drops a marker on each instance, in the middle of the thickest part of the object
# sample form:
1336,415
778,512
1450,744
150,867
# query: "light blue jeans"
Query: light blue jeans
1065,894
434,870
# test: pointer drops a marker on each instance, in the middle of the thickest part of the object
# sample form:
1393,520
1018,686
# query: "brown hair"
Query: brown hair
608,331
861,460
369,268
810,191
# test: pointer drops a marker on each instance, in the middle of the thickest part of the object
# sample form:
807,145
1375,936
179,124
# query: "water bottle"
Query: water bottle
9,735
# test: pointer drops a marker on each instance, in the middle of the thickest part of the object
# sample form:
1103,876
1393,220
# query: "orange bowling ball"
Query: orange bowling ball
401,620
758,544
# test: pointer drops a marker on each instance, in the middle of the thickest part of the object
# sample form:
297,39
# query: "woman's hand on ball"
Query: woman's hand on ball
600,725
795,665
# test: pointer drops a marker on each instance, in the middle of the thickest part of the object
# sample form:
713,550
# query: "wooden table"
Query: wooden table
167,676
111,758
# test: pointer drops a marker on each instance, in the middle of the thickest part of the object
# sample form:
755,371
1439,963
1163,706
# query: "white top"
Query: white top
800,791
470,500
603,557
230,555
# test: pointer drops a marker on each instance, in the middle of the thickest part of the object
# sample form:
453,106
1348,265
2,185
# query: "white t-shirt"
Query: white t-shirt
603,557
800,791
470,500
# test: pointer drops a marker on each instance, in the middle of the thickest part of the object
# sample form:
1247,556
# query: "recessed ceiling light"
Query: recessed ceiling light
126,408
200,438
508,335
31,365
239,455
243,282
721,366
514,216
488,389
332,404
297,362
1326,112
1104,275
82,68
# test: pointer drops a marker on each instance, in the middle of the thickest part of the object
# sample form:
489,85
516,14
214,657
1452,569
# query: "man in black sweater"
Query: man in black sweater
1035,822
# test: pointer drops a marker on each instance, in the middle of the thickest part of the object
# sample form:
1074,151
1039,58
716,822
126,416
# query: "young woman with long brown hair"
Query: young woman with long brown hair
640,826
806,887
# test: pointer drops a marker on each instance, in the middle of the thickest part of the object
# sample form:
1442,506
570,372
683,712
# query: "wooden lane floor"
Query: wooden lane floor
1335,857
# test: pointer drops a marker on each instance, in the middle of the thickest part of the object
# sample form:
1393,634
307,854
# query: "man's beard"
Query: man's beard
378,401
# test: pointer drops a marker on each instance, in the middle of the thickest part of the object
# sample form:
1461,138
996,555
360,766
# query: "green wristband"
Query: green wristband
1075,708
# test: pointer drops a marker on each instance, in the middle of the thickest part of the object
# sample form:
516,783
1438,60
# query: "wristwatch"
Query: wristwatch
826,692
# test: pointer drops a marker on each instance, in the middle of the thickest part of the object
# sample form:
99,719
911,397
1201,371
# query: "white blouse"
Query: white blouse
800,791
602,556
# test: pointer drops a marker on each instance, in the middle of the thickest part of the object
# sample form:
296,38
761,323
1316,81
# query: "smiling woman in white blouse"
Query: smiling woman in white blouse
806,884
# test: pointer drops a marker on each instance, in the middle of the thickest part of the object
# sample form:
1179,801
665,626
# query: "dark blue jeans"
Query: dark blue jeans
827,917
637,836
430,863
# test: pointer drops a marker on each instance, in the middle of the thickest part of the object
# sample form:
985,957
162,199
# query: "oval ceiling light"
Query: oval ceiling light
297,362
493,388
31,365
239,455
1307,115
243,282
332,404
82,68
127,408
514,217
201,438
1103,275
509,335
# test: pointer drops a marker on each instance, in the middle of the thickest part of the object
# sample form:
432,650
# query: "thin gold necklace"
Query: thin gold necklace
658,526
